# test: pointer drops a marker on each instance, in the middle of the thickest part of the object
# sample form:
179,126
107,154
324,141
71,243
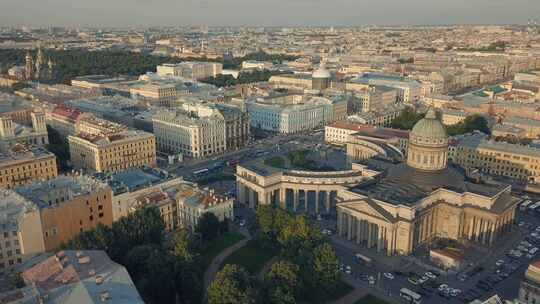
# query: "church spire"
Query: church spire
40,60
29,67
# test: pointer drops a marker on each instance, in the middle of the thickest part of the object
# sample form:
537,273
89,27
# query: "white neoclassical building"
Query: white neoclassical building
392,207
295,113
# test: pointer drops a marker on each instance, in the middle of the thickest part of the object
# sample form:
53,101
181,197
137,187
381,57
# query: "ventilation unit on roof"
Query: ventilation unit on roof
104,296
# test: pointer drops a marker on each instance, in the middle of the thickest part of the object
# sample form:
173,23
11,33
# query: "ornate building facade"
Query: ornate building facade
394,208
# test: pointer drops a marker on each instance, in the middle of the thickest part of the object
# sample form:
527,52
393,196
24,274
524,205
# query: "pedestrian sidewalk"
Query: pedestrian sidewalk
215,265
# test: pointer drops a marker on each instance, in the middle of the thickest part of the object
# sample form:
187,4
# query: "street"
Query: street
402,268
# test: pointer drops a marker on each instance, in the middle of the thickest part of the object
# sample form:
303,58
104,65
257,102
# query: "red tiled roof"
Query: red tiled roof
67,113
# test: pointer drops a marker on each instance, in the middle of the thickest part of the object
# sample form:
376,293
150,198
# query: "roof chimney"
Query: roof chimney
104,296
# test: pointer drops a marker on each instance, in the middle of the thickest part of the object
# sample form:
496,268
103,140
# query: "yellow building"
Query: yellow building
529,291
496,158
22,165
194,202
67,206
162,94
112,153
294,81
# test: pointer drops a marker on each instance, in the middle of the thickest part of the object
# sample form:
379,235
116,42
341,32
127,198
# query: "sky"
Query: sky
264,12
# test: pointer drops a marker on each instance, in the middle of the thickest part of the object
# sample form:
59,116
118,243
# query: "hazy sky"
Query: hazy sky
264,12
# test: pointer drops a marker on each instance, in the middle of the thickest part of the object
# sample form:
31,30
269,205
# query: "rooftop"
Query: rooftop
134,179
88,276
12,209
480,142
20,154
12,103
202,198
106,139
66,187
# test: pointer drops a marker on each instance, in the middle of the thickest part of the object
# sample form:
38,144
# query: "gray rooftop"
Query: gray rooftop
12,209
134,179
44,194
479,142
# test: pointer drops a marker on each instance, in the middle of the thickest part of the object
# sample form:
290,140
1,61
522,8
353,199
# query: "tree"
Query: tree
298,238
325,267
470,124
406,119
231,285
282,281
184,249
208,226
144,226
281,296
16,280
153,275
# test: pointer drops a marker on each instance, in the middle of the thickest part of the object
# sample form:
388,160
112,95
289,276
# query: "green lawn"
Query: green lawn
218,245
251,257
370,299
299,160
276,162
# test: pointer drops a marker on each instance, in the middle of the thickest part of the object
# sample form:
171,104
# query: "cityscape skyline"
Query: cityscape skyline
260,13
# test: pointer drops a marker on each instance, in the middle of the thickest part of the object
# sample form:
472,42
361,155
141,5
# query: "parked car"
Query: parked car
388,275
430,275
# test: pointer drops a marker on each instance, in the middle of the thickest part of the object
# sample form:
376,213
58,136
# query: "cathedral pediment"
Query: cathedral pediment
368,207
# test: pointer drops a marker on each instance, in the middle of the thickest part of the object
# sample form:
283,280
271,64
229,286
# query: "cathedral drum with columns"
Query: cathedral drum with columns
393,208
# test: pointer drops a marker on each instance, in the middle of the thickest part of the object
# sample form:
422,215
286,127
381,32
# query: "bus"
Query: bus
363,258
411,296
200,173
524,205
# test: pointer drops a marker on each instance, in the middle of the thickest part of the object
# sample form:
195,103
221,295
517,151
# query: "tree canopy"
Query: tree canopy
231,285
305,253
471,123
406,119
243,78
72,63
137,242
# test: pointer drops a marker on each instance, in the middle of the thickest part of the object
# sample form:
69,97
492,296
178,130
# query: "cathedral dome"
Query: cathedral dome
429,131
428,144
321,72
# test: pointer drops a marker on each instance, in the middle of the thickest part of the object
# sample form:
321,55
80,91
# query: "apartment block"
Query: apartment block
191,70
66,206
475,151
112,152
193,136
21,232
21,165
194,202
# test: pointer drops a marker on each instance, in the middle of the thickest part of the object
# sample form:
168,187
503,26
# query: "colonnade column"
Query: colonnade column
349,227
340,224
327,202
316,202
295,199
251,198
283,198
241,194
